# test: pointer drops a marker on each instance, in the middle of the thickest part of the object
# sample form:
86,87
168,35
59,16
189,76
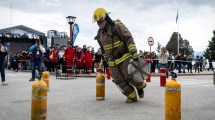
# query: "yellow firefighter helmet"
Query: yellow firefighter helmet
99,14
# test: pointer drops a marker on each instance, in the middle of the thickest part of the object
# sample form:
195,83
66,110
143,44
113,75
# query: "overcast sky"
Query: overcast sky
144,18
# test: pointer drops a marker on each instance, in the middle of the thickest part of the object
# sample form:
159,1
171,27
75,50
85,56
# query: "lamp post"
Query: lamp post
71,20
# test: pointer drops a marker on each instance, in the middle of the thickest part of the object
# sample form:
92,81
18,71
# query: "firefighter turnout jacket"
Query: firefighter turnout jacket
117,43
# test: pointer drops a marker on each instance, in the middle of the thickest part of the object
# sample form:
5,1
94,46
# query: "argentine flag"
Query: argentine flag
177,17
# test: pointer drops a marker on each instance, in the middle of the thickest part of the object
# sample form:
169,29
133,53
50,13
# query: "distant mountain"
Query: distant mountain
199,53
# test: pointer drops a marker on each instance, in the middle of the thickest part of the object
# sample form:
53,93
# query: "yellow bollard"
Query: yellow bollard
100,87
173,100
46,78
39,100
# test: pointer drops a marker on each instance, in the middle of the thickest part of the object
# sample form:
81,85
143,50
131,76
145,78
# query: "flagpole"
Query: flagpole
11,19
178,32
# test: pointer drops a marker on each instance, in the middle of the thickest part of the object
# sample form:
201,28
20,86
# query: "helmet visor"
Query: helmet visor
98,17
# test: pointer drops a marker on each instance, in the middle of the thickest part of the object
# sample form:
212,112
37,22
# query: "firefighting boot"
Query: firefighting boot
141,91
132,97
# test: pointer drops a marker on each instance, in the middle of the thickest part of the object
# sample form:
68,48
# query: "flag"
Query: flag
177,17
75,31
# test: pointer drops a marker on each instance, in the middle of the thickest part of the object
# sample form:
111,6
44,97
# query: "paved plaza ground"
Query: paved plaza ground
74,99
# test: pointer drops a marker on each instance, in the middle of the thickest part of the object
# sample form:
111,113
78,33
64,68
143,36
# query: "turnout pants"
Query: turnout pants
119,73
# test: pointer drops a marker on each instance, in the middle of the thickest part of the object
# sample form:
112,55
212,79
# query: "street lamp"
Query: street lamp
71,20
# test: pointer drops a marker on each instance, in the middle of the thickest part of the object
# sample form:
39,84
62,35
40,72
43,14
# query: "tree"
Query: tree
184,45
210,50
172,45
185,48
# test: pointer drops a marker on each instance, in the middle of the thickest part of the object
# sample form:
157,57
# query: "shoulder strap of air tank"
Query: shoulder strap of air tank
115,33
98,40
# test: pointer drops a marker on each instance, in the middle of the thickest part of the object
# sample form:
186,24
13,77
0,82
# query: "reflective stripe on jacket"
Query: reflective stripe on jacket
117,48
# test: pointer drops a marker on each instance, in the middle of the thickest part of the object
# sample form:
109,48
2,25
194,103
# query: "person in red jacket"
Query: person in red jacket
79,59
148,59
88,59
53,59
69,55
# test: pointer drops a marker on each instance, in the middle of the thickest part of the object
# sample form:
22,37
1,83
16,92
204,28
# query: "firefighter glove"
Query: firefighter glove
134,56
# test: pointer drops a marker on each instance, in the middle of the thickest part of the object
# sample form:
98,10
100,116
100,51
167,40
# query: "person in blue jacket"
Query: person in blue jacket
3,54
37,51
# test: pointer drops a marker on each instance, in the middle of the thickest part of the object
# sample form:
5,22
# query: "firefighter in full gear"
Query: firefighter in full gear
118,47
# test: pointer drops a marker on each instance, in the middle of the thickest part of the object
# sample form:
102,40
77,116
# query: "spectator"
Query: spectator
171,61
53,59
210,60
179,59
184,62
201,63
61,57
141,54
84,49
204,63
89,59
80,59
148,59
98,60
93,64
69,55
37,58
197,64
3,54
46,59
162,57
189,64
14,61
154,62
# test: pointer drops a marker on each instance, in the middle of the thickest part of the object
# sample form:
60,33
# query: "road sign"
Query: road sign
150,41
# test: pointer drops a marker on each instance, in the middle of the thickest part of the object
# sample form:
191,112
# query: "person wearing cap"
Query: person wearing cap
118,47
37,51
3,54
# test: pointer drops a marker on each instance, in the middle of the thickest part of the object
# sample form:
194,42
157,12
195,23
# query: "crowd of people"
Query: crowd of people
85,59
181,62
57,59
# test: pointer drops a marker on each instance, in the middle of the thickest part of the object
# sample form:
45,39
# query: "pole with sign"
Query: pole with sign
150,42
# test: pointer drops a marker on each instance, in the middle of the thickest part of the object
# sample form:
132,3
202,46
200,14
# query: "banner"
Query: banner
75,31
